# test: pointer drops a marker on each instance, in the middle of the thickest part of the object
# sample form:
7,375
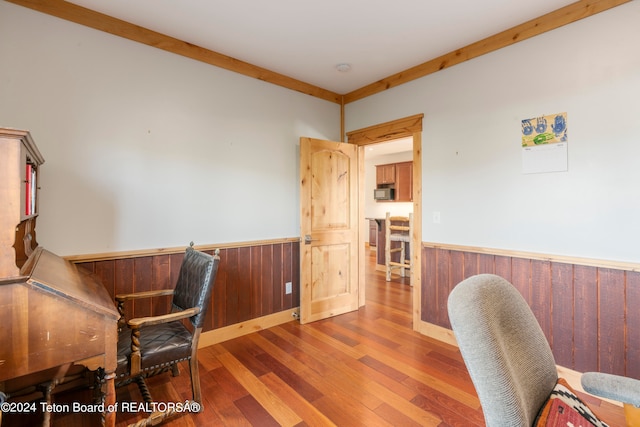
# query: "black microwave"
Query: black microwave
383,193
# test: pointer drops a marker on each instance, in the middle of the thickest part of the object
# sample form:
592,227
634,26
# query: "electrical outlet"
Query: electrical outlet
288,288
436,217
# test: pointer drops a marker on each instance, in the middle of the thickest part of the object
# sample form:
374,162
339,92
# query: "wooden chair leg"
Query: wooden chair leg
144,390
195,380
47,391
154,419
402,256
387,259
108,398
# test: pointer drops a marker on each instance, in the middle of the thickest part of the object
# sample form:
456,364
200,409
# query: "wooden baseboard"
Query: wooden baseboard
437,332
243,328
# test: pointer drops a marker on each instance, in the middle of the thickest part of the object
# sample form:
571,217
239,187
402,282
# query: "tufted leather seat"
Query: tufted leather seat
160,344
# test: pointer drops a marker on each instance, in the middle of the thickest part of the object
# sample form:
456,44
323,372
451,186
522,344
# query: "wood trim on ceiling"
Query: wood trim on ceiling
99,21
83,16
558,18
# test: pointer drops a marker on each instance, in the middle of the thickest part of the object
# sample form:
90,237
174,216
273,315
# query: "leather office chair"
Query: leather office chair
509,359
149,346
397,229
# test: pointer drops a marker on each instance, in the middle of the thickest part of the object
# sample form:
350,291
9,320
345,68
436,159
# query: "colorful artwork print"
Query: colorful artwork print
544,130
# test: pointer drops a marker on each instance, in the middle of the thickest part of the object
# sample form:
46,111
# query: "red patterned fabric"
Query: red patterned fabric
564,408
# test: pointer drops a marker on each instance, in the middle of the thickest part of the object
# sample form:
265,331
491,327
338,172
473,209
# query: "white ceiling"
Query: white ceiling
306,39
390,147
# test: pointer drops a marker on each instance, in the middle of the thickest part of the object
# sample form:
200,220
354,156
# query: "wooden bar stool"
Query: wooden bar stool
398,229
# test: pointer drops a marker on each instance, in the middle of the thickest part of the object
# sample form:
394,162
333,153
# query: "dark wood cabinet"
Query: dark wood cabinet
404,182
373,232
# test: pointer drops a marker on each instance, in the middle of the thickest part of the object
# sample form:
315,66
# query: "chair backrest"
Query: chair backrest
195,282
504,349
399,227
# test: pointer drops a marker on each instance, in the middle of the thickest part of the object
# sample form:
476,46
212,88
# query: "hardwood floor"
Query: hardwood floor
366,368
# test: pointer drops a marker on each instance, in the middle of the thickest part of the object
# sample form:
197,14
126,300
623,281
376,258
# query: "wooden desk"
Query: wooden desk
54,318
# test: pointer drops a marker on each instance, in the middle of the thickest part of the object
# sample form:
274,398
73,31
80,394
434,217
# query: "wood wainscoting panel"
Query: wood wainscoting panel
611,320
250,282
633,318
562,296
587,312
539,294
585,322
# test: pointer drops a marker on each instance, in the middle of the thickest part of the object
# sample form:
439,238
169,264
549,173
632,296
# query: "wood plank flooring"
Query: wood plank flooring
366,368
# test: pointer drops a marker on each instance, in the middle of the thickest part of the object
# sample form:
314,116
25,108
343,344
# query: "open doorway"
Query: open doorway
408,127
396,158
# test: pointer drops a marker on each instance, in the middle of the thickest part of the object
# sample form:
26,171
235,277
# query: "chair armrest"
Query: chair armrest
145,294
121,299
616,387
139,322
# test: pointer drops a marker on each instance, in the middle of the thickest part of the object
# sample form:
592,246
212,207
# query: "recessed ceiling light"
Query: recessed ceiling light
343,68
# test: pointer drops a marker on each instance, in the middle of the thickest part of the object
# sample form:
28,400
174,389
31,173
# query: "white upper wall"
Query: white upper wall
472,167
147,149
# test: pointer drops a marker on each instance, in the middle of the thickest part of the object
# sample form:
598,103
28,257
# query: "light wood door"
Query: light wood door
329,229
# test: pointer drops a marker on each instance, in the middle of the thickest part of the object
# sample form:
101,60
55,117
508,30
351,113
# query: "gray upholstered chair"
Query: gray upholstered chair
505,351
148,346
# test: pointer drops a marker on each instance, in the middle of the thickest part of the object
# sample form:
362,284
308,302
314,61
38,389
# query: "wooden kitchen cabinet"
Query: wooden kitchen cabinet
386,174
373,232
404,182
398,176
